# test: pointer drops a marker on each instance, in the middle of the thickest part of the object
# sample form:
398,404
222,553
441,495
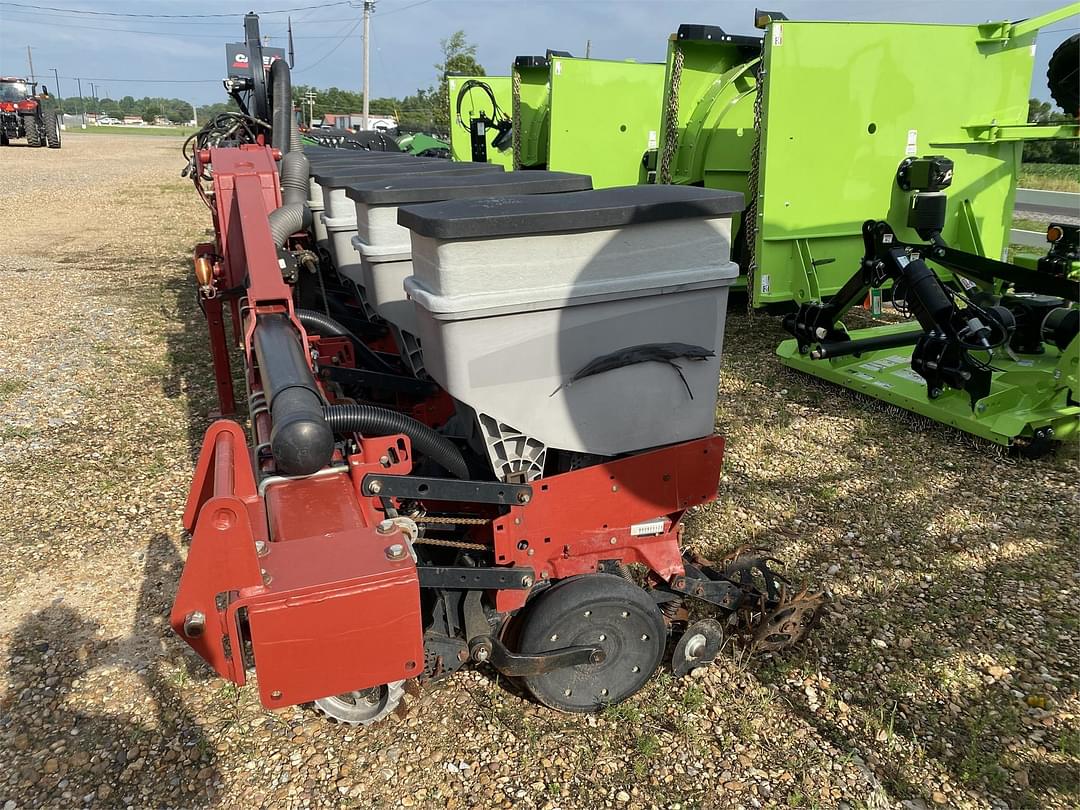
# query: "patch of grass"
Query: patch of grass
693,698
9,388
647,747
1069,743
168,132
1050,176
1025,224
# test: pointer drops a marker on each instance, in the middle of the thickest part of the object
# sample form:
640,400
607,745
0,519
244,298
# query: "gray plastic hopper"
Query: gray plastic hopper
385,247
590,322
339,216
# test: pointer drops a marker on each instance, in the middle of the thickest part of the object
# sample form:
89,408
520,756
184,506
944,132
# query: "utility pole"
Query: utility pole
194,114
588,48
93,96
82,104
309,99
369,6
30,59
59,97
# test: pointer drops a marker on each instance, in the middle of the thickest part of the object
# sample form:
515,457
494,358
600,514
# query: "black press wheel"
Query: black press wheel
33,133
594,610
52,129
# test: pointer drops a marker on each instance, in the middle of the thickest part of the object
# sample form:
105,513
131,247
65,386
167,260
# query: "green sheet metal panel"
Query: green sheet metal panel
603,117
707,129
530,93
473,104
844,104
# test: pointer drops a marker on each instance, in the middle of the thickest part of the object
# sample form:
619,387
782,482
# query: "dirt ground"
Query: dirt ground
945,674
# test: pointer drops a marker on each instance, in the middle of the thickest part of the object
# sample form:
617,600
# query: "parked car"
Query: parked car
108,121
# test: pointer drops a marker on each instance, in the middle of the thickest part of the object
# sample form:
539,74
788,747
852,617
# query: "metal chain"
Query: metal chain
462,521
431,541
515,112
750,214
671,132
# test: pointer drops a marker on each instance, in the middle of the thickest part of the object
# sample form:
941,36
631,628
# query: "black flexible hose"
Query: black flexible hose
281,109
372,421
325,325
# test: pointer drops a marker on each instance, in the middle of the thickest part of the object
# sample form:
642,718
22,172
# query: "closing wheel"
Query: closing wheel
598,610
363,707
698,647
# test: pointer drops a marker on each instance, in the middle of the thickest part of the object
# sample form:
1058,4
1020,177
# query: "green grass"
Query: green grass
1050,176
169,132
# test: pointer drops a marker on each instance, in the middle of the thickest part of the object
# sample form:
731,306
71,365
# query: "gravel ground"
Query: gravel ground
945,675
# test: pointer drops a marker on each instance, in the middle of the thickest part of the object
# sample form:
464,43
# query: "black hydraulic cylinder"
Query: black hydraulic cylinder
300,439
842,348
929,302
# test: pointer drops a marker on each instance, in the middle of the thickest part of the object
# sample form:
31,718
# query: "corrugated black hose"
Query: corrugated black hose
325,325
372,421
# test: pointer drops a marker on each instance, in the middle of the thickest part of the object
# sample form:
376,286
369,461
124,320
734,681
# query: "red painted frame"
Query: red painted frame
298,562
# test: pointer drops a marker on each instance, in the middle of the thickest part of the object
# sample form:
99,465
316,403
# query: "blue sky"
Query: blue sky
129,54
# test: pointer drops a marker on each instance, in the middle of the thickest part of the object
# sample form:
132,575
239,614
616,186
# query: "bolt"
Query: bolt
523,497
386,527
526,582
597,657
463,656
820,333
267,579
385,461
375,487
481,652
262,548
613,541
395,552
614,487
543,575
194,624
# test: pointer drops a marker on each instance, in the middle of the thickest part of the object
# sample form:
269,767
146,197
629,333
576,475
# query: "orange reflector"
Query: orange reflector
1054,233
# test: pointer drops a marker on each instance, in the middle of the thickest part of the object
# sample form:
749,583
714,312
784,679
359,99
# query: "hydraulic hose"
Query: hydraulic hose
325,325
372,421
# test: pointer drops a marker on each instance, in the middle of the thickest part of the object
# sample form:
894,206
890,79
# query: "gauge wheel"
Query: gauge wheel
598,610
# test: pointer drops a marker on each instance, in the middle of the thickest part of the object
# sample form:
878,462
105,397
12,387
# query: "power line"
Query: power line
178,34
167,16
326,55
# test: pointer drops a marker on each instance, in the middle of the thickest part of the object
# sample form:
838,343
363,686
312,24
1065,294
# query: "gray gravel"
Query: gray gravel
945,676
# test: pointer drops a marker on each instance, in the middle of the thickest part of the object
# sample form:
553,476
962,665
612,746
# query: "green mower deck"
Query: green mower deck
1027,396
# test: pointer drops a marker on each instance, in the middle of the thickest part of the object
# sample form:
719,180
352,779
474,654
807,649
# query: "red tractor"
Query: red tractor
22,116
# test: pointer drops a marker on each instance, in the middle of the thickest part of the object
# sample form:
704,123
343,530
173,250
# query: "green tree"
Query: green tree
459,56
1050,151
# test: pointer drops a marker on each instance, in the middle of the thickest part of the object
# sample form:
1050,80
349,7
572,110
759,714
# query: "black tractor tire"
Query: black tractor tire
1063,75
33,134
52,129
